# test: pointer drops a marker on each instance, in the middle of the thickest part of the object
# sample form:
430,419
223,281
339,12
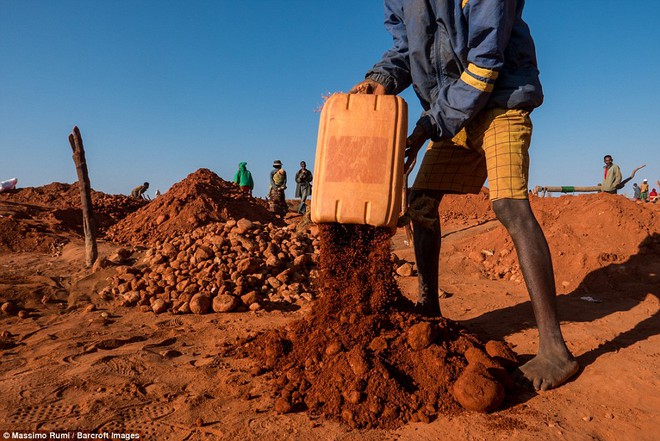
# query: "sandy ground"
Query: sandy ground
69,365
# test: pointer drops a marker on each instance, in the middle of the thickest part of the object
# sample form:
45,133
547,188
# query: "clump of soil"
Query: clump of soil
363,356
200,199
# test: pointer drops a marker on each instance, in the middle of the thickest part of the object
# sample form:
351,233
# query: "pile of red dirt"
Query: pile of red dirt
456,210
39,218
20,236
584,233
363,357
200,199
64,201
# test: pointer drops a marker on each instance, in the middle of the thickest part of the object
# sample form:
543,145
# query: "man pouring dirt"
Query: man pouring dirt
473,66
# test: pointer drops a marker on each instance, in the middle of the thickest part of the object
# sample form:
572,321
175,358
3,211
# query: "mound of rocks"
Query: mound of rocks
224,267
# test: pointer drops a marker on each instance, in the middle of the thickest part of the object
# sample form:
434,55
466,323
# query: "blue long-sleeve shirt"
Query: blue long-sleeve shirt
460,56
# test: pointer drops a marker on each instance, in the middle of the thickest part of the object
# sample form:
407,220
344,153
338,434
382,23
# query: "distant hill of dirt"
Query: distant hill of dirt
200,199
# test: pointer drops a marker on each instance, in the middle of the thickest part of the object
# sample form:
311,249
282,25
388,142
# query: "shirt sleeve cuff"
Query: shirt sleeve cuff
384,79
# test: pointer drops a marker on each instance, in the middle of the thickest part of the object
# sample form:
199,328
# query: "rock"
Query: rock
422,335
405,270
200,304
250,298
477,390
502,353
131,298
9,308
354,396
476,355
159,306
357,360
284,276
203,253
273,261
378,344
494,368
283,405
225,303
333,348
23,314
162,218
244,225
184,309
248,265
255,306
301,260
272,281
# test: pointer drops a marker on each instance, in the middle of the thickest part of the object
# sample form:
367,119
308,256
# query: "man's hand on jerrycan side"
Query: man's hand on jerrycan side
422,132
369,87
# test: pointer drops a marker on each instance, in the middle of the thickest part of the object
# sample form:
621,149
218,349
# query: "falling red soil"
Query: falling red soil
362,356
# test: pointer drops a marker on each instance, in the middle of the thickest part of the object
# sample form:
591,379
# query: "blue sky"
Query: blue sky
162,88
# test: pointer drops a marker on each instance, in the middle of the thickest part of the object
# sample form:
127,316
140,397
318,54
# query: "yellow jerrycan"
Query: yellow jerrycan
358,171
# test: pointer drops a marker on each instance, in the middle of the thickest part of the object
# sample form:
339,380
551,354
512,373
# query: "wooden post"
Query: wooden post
89,226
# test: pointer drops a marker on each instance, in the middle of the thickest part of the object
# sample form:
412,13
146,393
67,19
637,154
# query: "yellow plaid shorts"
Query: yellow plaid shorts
495,144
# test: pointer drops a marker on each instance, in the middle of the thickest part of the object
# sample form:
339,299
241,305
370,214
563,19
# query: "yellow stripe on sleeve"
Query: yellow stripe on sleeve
463,3
483,72
477,84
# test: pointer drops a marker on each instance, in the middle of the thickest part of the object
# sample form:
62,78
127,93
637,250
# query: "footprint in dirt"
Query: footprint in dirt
166,342
114,343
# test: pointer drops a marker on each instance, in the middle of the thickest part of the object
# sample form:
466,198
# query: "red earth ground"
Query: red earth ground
72,358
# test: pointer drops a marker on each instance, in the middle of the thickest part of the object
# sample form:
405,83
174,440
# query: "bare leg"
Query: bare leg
554,364
427,256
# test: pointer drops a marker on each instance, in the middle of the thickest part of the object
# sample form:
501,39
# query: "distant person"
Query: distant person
243,178
636,192
473,67
277,186
653,195
611,176
644,190
303,186
157,194
139,191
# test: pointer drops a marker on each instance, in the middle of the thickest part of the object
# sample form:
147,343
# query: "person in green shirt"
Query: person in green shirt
243,178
